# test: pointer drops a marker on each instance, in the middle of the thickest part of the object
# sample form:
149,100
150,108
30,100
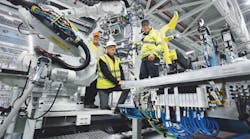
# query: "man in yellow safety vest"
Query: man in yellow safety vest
154,44
110,75
91,91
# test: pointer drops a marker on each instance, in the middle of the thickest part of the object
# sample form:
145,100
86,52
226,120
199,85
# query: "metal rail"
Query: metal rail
235,71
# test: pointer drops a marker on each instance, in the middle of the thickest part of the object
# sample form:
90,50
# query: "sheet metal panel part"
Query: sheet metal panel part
212,73
86,135
228,111
136,128
84,111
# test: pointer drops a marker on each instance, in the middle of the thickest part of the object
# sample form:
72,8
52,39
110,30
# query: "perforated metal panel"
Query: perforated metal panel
87,135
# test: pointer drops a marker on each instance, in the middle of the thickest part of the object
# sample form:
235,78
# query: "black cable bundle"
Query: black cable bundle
241,103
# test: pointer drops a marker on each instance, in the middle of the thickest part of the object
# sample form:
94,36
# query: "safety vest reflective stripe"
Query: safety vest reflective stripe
102,77
109,66
149,42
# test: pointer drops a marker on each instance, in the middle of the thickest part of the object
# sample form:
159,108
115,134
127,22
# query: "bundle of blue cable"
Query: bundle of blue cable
193,123
188,123
179,132
206,125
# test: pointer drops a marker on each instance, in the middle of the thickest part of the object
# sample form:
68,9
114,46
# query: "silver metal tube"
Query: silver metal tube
212,73
21,100
136,128
11,127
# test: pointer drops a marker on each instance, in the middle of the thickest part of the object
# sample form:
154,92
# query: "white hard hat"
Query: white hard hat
110,43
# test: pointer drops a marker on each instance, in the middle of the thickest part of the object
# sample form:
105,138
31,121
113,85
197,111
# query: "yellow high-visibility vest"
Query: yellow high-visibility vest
149,44
95,49
99,51
114,68
156,41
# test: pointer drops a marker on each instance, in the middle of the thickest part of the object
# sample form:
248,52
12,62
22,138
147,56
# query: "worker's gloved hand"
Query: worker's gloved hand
176,13
176,36
121,82
151,57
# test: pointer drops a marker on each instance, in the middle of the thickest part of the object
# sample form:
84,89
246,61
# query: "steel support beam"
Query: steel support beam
216,31
195,20
185,39
215,21
208,24
148,5
183,6
155,7
244,11
195,11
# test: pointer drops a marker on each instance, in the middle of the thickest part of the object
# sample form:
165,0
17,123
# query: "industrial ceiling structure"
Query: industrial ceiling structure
216,13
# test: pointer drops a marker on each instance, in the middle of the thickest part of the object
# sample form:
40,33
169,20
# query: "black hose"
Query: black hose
19,30
25,85
54,57
57,60
26,81
25,4
32,118
241,107
71,67
126,3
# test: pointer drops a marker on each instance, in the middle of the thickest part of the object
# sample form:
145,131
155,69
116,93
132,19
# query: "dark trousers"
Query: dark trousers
149,68
104,97
91,92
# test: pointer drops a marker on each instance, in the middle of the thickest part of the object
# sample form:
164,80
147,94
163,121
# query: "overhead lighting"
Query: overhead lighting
190,52
248,2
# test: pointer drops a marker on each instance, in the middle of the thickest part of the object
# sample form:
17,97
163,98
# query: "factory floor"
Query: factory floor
153,135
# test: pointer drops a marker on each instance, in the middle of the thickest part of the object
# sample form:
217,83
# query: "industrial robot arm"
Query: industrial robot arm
58,29
98,10
54,25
